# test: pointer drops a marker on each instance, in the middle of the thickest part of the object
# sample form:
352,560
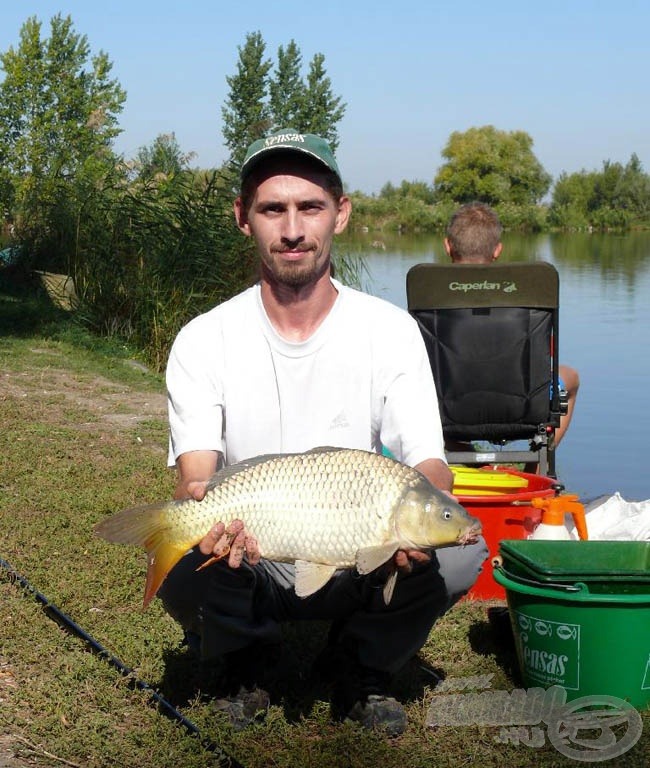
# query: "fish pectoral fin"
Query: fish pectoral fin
389,587
310,577
370,558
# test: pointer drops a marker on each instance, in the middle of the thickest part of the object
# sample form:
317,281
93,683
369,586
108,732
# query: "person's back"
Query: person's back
474,237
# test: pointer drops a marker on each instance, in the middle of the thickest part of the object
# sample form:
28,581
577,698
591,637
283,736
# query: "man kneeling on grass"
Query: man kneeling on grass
299,361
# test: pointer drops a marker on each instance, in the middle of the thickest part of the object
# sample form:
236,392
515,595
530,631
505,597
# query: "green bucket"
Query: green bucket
588,631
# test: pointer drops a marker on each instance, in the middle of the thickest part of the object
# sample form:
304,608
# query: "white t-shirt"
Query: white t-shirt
362,380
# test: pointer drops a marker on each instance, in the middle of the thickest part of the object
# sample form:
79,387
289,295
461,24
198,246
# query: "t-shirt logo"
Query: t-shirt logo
340,421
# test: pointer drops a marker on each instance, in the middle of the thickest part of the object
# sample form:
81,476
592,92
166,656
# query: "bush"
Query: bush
151,256
610,218
398,213
568,217
523,218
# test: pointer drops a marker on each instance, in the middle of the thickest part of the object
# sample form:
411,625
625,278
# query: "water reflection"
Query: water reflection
604,321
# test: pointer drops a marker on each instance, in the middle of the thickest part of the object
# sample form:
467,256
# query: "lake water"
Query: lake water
604,334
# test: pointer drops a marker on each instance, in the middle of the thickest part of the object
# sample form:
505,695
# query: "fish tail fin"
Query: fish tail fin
148,527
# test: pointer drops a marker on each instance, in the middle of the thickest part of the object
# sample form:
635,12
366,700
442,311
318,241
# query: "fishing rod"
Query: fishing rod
55,613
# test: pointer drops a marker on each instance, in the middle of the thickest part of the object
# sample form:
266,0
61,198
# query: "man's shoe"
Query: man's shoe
361,695
379,712
244,707
234,679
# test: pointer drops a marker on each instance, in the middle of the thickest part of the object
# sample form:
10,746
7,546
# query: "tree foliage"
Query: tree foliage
164,156
419,190
58,118
246,112
614,197
262,98
322,111
287,92
493,166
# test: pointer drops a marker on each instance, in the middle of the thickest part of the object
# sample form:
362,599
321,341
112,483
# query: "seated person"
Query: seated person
474,237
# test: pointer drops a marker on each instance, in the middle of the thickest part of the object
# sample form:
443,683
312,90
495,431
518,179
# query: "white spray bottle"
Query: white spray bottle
552,525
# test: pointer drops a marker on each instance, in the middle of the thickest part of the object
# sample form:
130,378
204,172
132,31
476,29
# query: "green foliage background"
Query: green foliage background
150,242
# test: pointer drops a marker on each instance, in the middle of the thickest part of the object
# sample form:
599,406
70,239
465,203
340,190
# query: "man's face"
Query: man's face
293,219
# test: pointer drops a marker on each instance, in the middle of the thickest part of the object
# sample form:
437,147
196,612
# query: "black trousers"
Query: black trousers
231,608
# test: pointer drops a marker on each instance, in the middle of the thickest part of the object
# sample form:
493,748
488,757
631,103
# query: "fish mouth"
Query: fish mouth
470,536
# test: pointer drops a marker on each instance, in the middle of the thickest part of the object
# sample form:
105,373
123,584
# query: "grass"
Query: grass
83,435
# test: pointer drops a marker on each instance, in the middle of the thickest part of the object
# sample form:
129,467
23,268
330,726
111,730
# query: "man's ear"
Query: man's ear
343,214
447,246
497,252
241,216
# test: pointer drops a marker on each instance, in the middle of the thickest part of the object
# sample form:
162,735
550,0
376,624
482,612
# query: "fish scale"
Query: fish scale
302,520
303,509
325,509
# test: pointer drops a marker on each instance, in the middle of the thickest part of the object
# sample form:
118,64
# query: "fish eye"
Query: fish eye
446,513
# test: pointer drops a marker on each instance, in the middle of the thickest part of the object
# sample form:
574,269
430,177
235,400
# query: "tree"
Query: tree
322,110
612,197
246,112
417,190
163,156
571,198
634,188
259,102
493,166
58,118
576,189
286,89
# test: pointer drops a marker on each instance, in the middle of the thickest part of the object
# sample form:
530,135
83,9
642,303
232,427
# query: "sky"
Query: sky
573,74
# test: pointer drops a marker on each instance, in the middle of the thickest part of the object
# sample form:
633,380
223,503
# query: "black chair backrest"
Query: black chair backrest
491,335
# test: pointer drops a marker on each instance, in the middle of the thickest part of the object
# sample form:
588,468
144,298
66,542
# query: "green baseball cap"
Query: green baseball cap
290,139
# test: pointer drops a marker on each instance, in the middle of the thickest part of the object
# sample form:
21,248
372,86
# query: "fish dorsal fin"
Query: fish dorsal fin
310,577
234,469
370,558
241,466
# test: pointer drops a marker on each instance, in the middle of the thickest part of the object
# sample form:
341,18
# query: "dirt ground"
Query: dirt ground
118,405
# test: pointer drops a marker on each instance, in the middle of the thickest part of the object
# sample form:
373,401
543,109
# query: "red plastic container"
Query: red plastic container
504,516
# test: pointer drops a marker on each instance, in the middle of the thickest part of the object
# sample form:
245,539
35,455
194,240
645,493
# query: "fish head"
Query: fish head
428,517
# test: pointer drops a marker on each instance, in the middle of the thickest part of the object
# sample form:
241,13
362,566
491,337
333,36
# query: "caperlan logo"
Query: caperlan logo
508,286
283,138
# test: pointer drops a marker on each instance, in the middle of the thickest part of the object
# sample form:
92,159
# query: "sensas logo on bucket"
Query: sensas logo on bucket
549,651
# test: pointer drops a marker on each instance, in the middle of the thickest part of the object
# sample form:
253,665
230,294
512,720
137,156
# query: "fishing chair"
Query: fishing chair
491,333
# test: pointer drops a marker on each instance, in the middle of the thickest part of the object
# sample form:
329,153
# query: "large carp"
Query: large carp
325,509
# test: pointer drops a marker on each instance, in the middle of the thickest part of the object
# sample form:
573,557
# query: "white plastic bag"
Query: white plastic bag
612,518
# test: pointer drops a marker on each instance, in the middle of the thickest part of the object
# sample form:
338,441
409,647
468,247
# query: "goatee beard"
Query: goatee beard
296,275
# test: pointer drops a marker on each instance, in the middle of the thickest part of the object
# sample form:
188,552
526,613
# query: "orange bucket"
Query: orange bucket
504,510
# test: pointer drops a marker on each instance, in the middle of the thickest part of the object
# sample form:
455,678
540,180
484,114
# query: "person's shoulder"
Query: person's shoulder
208,321
237,303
